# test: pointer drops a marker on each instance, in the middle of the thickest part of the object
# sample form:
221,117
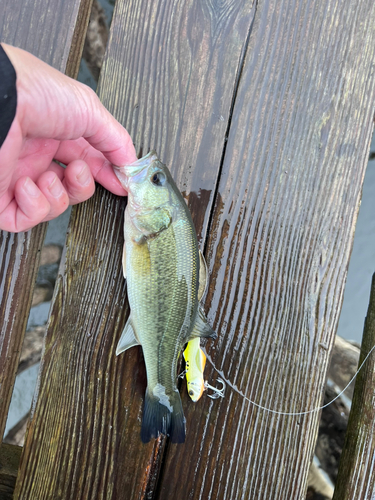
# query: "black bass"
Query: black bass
166,277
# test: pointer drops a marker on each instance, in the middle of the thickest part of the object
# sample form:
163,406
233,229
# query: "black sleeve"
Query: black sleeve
8,95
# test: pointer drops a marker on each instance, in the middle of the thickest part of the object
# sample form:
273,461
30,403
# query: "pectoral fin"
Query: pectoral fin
201,327
128,338
153,222
203,276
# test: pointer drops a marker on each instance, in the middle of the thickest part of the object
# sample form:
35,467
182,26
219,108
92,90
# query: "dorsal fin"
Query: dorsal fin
203,276
201,326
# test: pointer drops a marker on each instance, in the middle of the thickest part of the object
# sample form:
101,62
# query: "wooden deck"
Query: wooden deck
264,113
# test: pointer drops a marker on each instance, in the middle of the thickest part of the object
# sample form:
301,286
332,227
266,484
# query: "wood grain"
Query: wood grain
45,28
19,264
356,478
279,246
9,460
60,460
274,189
169,76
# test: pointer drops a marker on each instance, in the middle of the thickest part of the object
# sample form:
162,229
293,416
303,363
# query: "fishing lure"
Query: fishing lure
195,362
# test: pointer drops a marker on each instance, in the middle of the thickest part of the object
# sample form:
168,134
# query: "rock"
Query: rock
42,293
344,363
334,419
332,428
32,347
96,40
47,273
319,485
50,254
16,435
30,355
38,315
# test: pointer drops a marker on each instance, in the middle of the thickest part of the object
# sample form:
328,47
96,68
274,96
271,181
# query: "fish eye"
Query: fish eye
158,179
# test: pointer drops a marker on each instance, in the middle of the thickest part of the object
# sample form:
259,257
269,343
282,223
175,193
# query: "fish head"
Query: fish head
148,182
195,388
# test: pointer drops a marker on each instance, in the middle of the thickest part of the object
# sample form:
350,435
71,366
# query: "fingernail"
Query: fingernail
55,188
84,177
31,188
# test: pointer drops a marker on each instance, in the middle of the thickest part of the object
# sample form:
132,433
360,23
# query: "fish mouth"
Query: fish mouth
125,172
134,168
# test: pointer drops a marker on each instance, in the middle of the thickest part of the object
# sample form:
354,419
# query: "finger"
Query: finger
78,182
100,167
28,208
57,169
9,156
52,188
45,95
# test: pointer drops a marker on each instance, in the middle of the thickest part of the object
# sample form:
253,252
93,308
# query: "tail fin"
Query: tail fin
163,415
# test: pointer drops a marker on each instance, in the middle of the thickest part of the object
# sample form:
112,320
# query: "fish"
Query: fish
166,276
195,362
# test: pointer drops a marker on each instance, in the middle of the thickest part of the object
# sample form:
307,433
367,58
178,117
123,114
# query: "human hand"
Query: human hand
57,118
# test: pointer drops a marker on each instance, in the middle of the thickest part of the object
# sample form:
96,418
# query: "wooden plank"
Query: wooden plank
356,476
9,461
169,76
18,274
49,30
279,247
84,441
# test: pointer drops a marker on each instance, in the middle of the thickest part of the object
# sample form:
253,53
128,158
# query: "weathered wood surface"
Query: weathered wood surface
19,265
279,245
53,30
356,477
9,461
264,113
106,381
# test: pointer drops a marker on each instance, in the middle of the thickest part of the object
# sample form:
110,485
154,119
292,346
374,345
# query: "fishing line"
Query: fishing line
289,414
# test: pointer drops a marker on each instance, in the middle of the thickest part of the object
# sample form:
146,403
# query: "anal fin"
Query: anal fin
128,338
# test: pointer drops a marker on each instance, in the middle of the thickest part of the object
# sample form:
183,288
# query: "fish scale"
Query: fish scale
161,263
159,299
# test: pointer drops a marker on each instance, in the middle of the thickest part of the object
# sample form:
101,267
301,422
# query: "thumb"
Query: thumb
52,105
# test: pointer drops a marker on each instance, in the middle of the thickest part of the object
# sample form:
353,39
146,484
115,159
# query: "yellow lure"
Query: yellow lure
195,360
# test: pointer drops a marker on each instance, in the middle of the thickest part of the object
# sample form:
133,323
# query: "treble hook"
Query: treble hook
217,393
